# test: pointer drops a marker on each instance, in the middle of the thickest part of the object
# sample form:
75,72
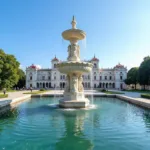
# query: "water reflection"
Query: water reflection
74,138
8,118
146,118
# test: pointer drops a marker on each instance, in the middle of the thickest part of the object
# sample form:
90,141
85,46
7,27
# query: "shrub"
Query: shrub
42,89
103,90
145,96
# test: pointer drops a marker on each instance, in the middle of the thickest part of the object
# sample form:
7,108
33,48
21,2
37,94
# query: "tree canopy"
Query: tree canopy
9,68
22,78
132,76
144,72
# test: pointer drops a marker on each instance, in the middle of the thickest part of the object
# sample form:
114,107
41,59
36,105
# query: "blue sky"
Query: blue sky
117,30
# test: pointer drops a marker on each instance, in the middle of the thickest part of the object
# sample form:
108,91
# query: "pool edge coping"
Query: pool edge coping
136,101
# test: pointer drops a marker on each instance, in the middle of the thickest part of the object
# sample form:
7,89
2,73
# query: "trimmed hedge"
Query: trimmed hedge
145,96
42,90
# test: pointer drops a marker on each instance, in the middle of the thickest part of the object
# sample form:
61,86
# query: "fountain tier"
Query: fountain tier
74,68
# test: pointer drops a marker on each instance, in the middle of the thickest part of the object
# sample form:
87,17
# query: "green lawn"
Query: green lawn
1,91
3,96
139,91
112,92
145,96
109,92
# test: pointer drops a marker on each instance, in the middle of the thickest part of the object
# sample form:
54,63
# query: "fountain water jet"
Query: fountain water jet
74,68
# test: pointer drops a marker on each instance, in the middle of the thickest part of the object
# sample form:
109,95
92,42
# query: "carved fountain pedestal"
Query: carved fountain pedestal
74,68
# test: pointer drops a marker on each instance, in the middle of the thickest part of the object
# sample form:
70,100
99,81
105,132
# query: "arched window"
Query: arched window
113,85
110,77
63,84
37,85
47,85
50,85
54,65
30,77
121,77
106,85
110,85
43,85
95,65
100,85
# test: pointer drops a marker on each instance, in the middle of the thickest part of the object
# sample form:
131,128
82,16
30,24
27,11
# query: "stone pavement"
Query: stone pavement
130,94
12,95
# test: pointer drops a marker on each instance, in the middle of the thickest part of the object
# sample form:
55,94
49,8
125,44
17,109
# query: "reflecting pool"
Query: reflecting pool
113,125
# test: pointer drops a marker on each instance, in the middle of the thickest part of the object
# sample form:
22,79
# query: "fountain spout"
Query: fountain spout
74,23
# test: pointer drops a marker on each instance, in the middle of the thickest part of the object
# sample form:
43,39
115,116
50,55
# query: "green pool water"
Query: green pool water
113,125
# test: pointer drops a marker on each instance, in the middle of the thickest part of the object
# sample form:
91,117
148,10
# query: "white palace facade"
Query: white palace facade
99,77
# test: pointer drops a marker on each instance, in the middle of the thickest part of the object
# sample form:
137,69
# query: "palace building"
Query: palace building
107,78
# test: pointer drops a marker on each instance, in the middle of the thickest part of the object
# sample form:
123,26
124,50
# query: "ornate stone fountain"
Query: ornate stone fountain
74,68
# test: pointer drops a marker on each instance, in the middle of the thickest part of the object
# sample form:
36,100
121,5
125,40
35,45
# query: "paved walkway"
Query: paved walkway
130,94
12,95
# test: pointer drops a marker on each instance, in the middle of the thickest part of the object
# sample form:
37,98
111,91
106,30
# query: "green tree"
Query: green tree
132,76
8,70
144,72
22,78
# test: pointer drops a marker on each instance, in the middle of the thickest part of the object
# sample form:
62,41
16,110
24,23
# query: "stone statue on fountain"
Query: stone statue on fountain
73,52
80,85
74,83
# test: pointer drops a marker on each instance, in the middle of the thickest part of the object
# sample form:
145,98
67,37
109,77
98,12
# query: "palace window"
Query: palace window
120,77
88,76
100,77
54,65
30,77
110,78
49,77
43,77
94,77
105,77
54,77
95,66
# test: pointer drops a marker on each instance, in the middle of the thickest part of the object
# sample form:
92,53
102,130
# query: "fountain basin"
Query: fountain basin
74,67
74,103
73,34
